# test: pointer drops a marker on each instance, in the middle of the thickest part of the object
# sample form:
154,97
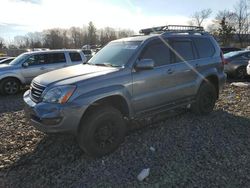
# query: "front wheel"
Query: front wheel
205,99
102,131
10,86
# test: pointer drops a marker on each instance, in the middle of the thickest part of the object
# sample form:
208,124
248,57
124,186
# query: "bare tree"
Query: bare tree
92,36
228,17
75,37
106,35
1,43
53,39
200,16
21,41
241,20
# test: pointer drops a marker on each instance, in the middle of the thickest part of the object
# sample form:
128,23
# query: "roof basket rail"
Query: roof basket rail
172,28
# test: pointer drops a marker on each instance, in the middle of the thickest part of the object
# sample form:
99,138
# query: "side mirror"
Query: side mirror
144,64
25,64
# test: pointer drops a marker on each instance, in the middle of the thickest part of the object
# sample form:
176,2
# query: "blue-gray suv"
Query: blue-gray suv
132,78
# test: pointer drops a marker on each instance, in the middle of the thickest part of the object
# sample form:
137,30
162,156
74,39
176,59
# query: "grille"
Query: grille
36,91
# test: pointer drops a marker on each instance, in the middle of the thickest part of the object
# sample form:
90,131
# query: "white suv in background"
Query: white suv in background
28,65
248,68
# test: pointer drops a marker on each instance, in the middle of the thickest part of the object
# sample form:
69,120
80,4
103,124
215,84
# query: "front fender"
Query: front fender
13,75
100,93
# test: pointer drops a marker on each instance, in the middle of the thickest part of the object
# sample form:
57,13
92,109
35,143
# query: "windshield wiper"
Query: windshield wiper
106,65
87,63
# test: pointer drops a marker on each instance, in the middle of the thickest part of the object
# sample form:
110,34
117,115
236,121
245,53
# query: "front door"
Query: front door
42,63
34,66
150,86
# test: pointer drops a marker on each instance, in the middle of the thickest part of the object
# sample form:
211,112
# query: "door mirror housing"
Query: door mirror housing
144,64
25,64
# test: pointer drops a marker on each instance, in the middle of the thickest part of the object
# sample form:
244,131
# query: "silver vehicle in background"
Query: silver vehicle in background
7,60
248,68
236,63
28,65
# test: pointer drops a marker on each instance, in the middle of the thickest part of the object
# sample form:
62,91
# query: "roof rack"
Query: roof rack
172,28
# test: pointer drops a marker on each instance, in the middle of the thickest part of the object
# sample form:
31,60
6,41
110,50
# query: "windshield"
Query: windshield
231,54
19,59
115,54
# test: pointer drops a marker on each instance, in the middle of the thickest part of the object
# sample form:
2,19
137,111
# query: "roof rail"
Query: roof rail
172,28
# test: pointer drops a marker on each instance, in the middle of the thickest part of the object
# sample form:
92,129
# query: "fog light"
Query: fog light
51,121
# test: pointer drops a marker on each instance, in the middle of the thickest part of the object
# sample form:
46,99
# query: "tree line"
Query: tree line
74,37
230,27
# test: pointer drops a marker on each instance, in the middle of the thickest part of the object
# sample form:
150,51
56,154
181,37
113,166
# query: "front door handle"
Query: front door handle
170,71
42,68
197,65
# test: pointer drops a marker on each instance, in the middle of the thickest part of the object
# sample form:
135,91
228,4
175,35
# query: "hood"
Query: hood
73,74
4,67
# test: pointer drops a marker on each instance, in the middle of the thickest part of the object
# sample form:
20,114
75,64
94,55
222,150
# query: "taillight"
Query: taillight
224,61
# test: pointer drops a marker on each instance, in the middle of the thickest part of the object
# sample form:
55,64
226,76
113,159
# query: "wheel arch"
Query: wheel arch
213,79
117,101
14,76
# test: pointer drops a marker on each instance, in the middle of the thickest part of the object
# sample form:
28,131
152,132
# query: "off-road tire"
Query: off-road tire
205,99
100,121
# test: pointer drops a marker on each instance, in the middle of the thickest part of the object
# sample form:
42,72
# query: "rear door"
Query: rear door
54,61
184,67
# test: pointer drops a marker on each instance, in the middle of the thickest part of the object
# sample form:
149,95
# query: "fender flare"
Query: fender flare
116,90
12,75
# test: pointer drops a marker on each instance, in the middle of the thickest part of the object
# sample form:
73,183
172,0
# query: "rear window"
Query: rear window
204,47
87,52
75,56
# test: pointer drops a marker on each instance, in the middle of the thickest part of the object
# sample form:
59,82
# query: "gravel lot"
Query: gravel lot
190,151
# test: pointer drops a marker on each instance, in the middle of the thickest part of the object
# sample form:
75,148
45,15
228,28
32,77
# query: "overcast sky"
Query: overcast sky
21,16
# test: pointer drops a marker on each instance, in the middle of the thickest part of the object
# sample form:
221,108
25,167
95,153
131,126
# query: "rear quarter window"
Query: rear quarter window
75,56
204,47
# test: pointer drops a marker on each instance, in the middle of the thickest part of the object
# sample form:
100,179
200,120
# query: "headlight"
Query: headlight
60,94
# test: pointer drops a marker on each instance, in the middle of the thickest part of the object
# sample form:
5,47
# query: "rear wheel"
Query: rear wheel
205,99
241,72
102,131
10,86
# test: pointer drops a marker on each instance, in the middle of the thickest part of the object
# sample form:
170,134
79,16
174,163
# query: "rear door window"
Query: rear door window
75,56
55,58
204,47
183,50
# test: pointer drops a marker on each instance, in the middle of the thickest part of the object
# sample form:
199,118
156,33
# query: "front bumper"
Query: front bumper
53,118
